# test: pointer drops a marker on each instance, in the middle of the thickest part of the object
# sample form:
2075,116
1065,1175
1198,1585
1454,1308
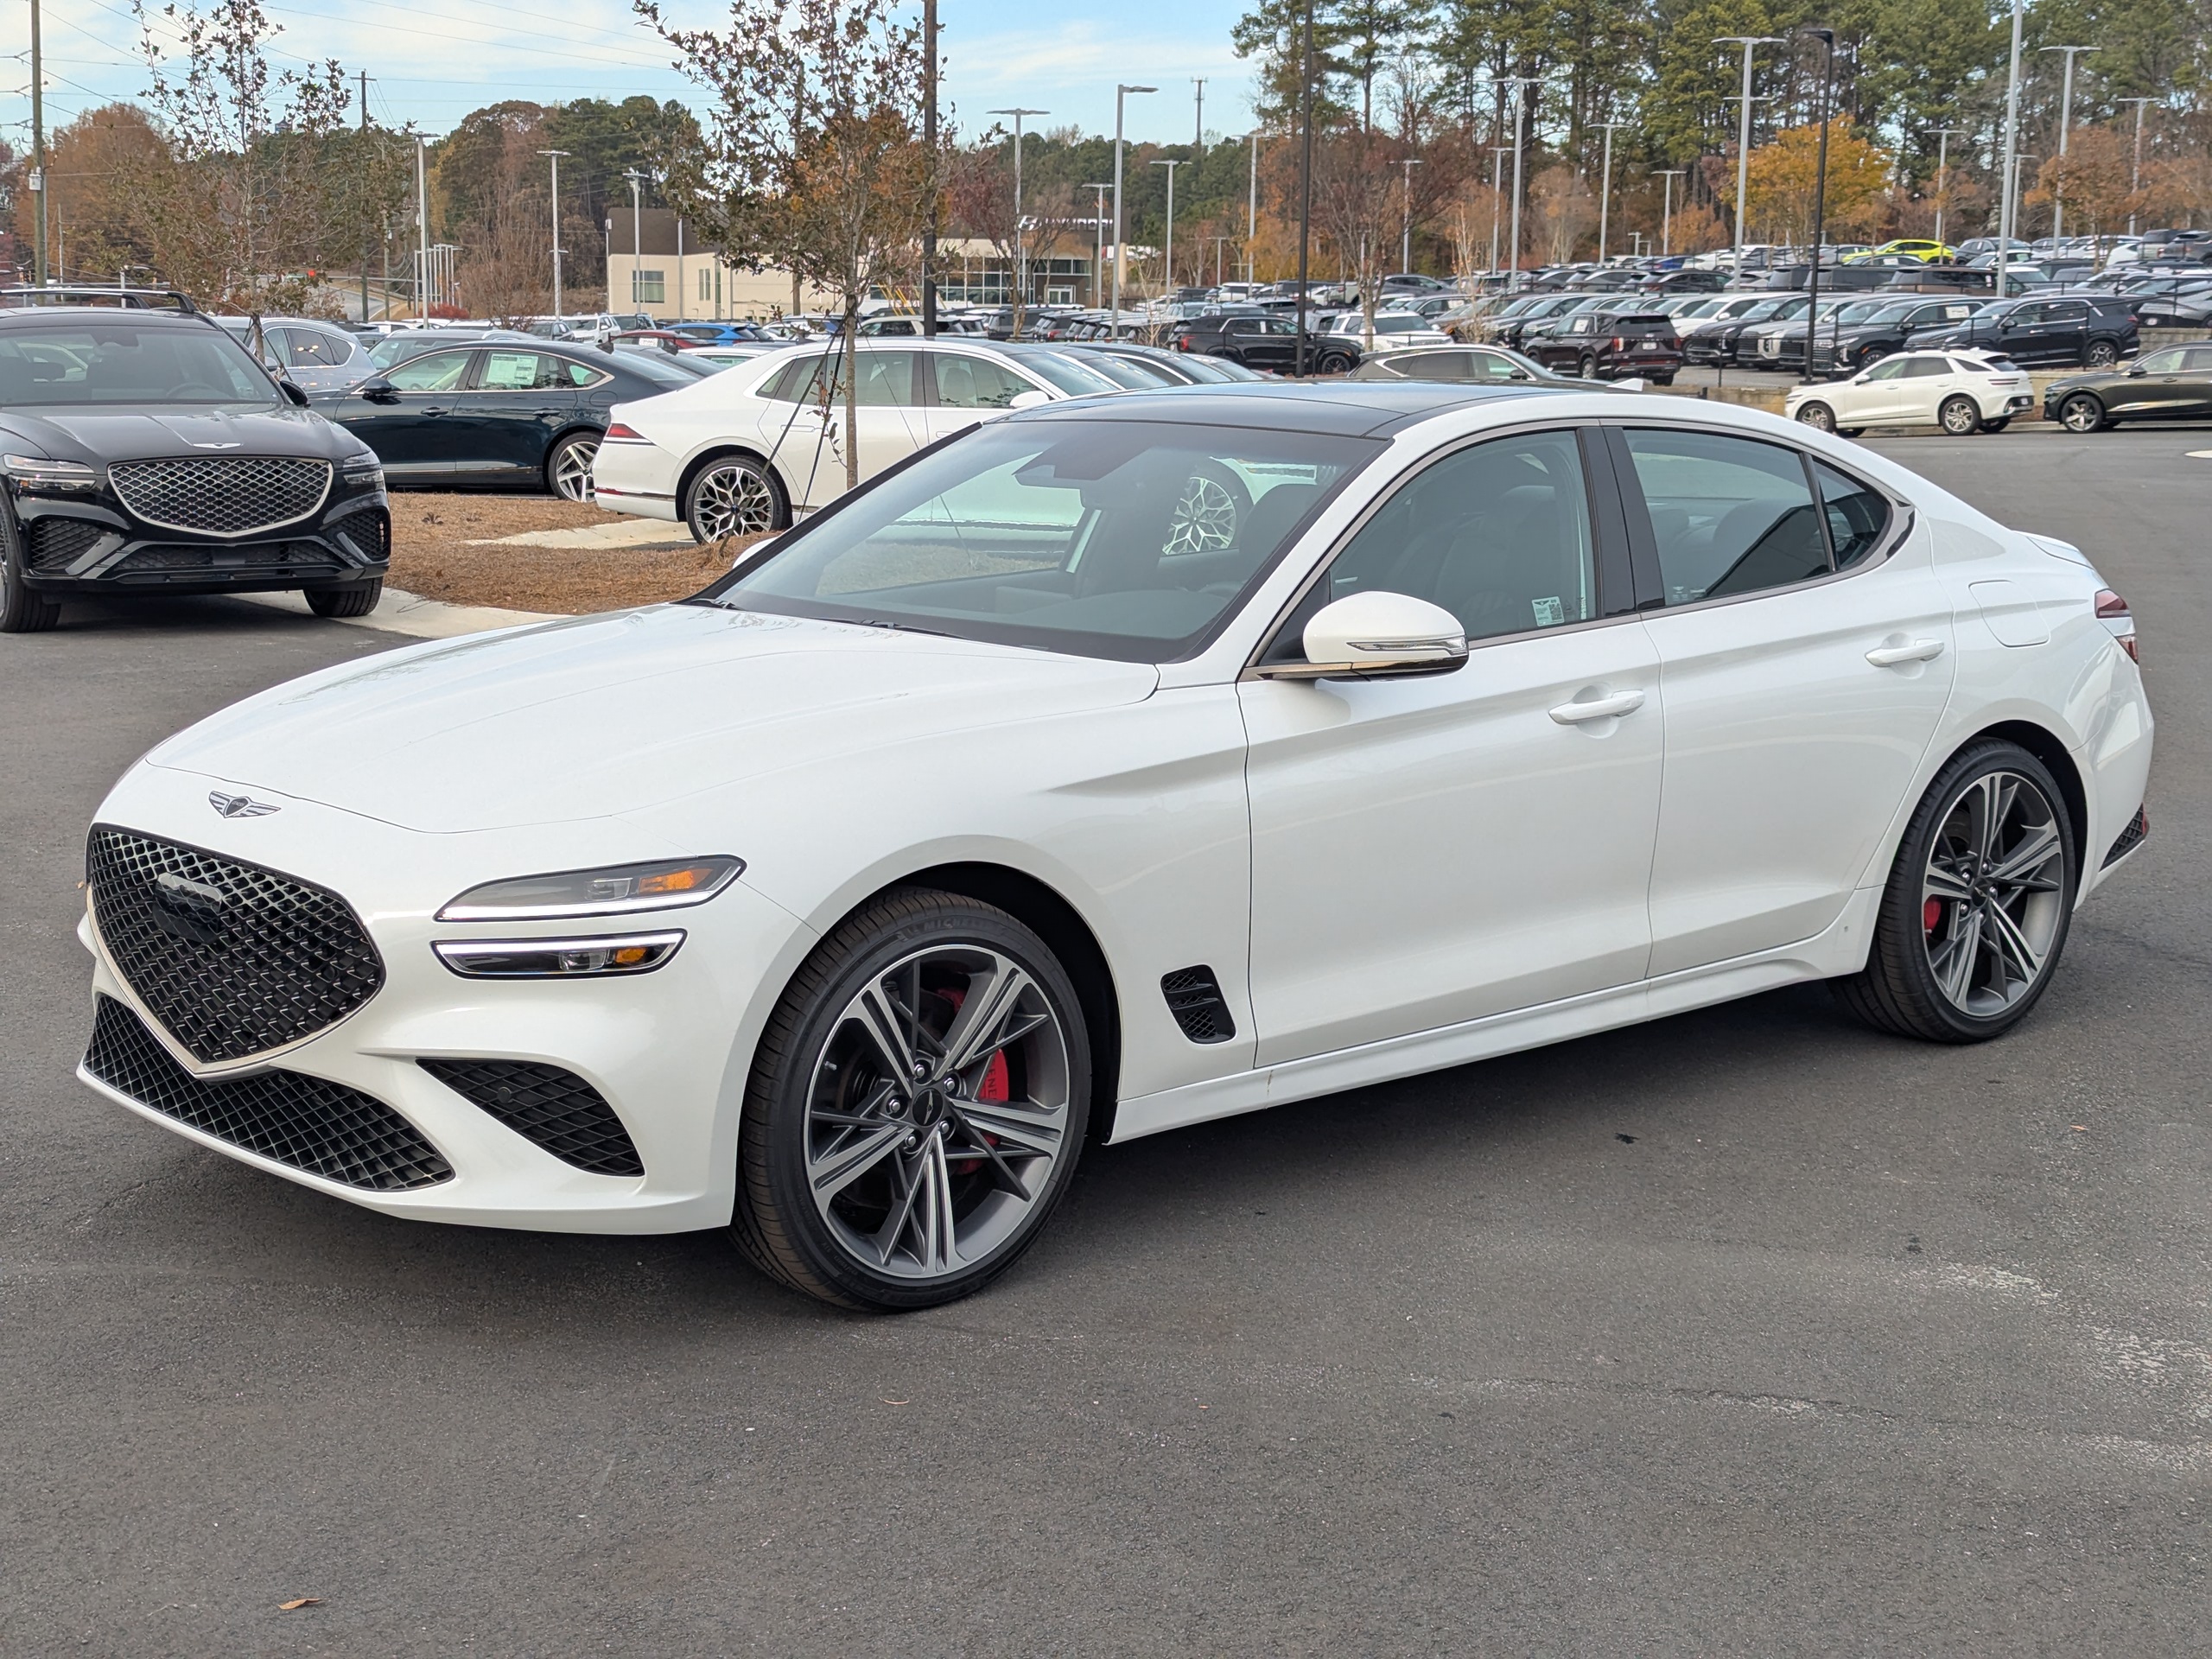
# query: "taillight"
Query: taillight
2111,604
618,432
1182,342
1618,343
2112,612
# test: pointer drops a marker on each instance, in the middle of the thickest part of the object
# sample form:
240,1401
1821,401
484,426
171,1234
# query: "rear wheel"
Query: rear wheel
917,1106
1335,363
568,470
23,609
1661,380
2100,355
1975,913
734,495
1959,417
357,600
1587,368
1817,416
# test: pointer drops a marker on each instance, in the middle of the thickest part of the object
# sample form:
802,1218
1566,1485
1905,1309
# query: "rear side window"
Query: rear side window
1729,516
1923,368
1857,518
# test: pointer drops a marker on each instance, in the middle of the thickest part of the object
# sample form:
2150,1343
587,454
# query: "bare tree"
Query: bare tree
1565,211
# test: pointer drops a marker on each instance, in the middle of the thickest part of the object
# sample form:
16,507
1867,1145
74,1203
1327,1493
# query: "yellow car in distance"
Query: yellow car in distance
1920,247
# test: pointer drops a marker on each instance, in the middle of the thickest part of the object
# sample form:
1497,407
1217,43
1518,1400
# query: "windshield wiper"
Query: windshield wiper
898,627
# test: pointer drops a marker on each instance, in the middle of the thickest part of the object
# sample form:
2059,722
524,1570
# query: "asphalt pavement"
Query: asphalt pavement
1748,1332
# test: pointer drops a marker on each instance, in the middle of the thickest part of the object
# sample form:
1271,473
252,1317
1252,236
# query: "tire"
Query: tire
831,1098
1940,967
1587,368
1958,417
357,600
1997,425
733,495
2082,413
23,609
1850,431
2099,355
1335,363
1661,379
1817,415
568,466
1871,355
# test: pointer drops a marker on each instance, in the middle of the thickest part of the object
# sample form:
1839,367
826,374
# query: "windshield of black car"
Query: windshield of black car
139,364
1124,539
657,365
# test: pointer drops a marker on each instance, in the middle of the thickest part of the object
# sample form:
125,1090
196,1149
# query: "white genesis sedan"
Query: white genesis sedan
1002,805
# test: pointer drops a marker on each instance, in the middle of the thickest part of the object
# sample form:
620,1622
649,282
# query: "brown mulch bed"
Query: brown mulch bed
430,556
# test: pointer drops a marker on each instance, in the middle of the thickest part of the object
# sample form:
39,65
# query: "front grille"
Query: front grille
56,543
553,1109
231,495
1194,999
232,959
309,1124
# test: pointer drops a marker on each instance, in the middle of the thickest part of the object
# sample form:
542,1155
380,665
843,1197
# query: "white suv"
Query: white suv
1963,392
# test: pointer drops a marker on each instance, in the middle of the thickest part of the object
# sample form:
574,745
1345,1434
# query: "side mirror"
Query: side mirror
377,390
1377,635
2135,370
293,395
1031,399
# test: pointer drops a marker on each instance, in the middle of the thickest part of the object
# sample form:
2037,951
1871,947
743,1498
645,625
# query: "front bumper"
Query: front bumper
668,1050
90,544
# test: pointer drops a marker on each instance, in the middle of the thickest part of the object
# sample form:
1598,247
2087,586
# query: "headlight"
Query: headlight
40,473
361,469
635,953
615,891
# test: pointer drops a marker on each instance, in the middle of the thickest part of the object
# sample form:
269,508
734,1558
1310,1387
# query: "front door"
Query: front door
2156,386
961,388
811,443
1875,398
1799,701
1432,850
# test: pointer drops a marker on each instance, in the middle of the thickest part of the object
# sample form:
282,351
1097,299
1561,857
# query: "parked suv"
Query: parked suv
146,452
2048,331
1855,342
1268,342
1600,346
2174,383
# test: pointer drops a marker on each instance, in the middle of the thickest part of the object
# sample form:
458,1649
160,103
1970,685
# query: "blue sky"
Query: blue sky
432,64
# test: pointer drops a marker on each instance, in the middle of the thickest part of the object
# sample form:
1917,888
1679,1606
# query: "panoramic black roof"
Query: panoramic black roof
1342,409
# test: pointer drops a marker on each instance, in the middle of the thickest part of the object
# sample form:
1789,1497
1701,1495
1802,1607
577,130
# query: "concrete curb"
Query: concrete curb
401,612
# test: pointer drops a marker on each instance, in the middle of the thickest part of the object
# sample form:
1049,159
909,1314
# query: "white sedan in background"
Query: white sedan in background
984,816
752,447
1963,392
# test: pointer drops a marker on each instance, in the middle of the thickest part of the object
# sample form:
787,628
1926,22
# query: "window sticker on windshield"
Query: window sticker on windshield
510,371
1549,612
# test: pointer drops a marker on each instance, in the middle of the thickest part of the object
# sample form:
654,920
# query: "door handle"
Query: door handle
1620,702
1920,650
434,411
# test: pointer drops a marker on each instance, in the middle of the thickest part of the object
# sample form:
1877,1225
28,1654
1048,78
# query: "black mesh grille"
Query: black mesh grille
311,1123
254,556
369,533
553,1109
58,542
2137,830
232,959
1194,998
225,496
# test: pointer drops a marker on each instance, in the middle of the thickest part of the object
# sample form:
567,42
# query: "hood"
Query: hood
606,714
99,436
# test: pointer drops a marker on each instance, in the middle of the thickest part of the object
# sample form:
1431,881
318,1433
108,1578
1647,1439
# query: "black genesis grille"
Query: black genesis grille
2137,830
253,556
553,1109
311,1123
368,533
226,495
232,959
1194,998
56,543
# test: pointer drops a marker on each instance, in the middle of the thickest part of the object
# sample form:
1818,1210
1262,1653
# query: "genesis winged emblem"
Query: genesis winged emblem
240,806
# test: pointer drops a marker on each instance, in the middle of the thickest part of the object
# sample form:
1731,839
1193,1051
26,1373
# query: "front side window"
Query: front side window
1123,539
1497,534
1729,516
964,382
1889,371
435,372
2161,362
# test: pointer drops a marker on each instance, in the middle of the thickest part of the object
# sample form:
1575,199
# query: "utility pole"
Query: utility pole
1666,211
421,233
2065,123
637,178
1167,263
38,140
1826,38
1749,43
1098,224
1405,232
929,143
2135,172
1199,138
364,229
1121,261
1605,189
1520,122
2011,176
1252,211
1304,183
1021,243
1497,197
1942,138
556,154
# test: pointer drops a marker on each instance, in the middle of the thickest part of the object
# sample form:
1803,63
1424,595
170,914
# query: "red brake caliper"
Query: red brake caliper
995,1085
1931,915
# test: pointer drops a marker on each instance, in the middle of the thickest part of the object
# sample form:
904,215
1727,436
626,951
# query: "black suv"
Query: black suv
2047,331
1267,342
146,452
1852,344
1601,345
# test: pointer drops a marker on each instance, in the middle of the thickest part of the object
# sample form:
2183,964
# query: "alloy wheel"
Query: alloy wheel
937,1112
1204,520
732,498
1960,417
1992,898
2101,355
2083,414
1817,416
572,469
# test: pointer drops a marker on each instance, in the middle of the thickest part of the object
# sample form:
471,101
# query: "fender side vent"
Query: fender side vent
1194,998
2137,830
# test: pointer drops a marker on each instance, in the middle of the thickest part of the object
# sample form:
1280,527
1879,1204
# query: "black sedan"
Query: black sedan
500,414
147,453
2174,383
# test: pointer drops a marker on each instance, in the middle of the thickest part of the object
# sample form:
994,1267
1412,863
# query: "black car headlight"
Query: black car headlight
361,469
617,890
35,472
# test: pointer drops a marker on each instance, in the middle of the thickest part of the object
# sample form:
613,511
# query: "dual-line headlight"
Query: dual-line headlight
616,890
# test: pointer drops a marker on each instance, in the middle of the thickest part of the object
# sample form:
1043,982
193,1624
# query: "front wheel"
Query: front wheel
1958,417
568,470
734,495
915,1109
2082,413
1817,416
357,600
1974,915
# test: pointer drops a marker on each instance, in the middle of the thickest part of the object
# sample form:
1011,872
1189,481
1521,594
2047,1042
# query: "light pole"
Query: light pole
1497,197
1522,83
1826,38
637,177
422,233
1168,259
1098,224
1605,190
1304,186
1021,243
1406,234
1942,138
554,155
2011,171
1252,211
1666,210
1120,94
2135,172
1750,43
2065,122
929,143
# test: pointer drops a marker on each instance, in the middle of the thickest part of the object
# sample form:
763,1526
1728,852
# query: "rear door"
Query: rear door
523,399
1926,379
409,428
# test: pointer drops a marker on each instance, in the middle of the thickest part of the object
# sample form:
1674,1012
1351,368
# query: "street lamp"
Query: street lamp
1749,43
1168,259
2135,172
1252,211
1120,94
2065,122
1497,197
1666,210
1098,227
1519,120
1405,234
556,156
637,177
1826,38
2011,173
1942,138
1021,243
1605,189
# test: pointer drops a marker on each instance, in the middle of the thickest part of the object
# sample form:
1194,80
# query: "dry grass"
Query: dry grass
431,556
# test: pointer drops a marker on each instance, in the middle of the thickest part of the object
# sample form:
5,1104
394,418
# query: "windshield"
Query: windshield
663,368
1123,539
126,362
1077,380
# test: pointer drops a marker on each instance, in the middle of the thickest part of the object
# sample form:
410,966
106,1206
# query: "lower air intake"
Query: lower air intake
554,1109
310,1124
1194,998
